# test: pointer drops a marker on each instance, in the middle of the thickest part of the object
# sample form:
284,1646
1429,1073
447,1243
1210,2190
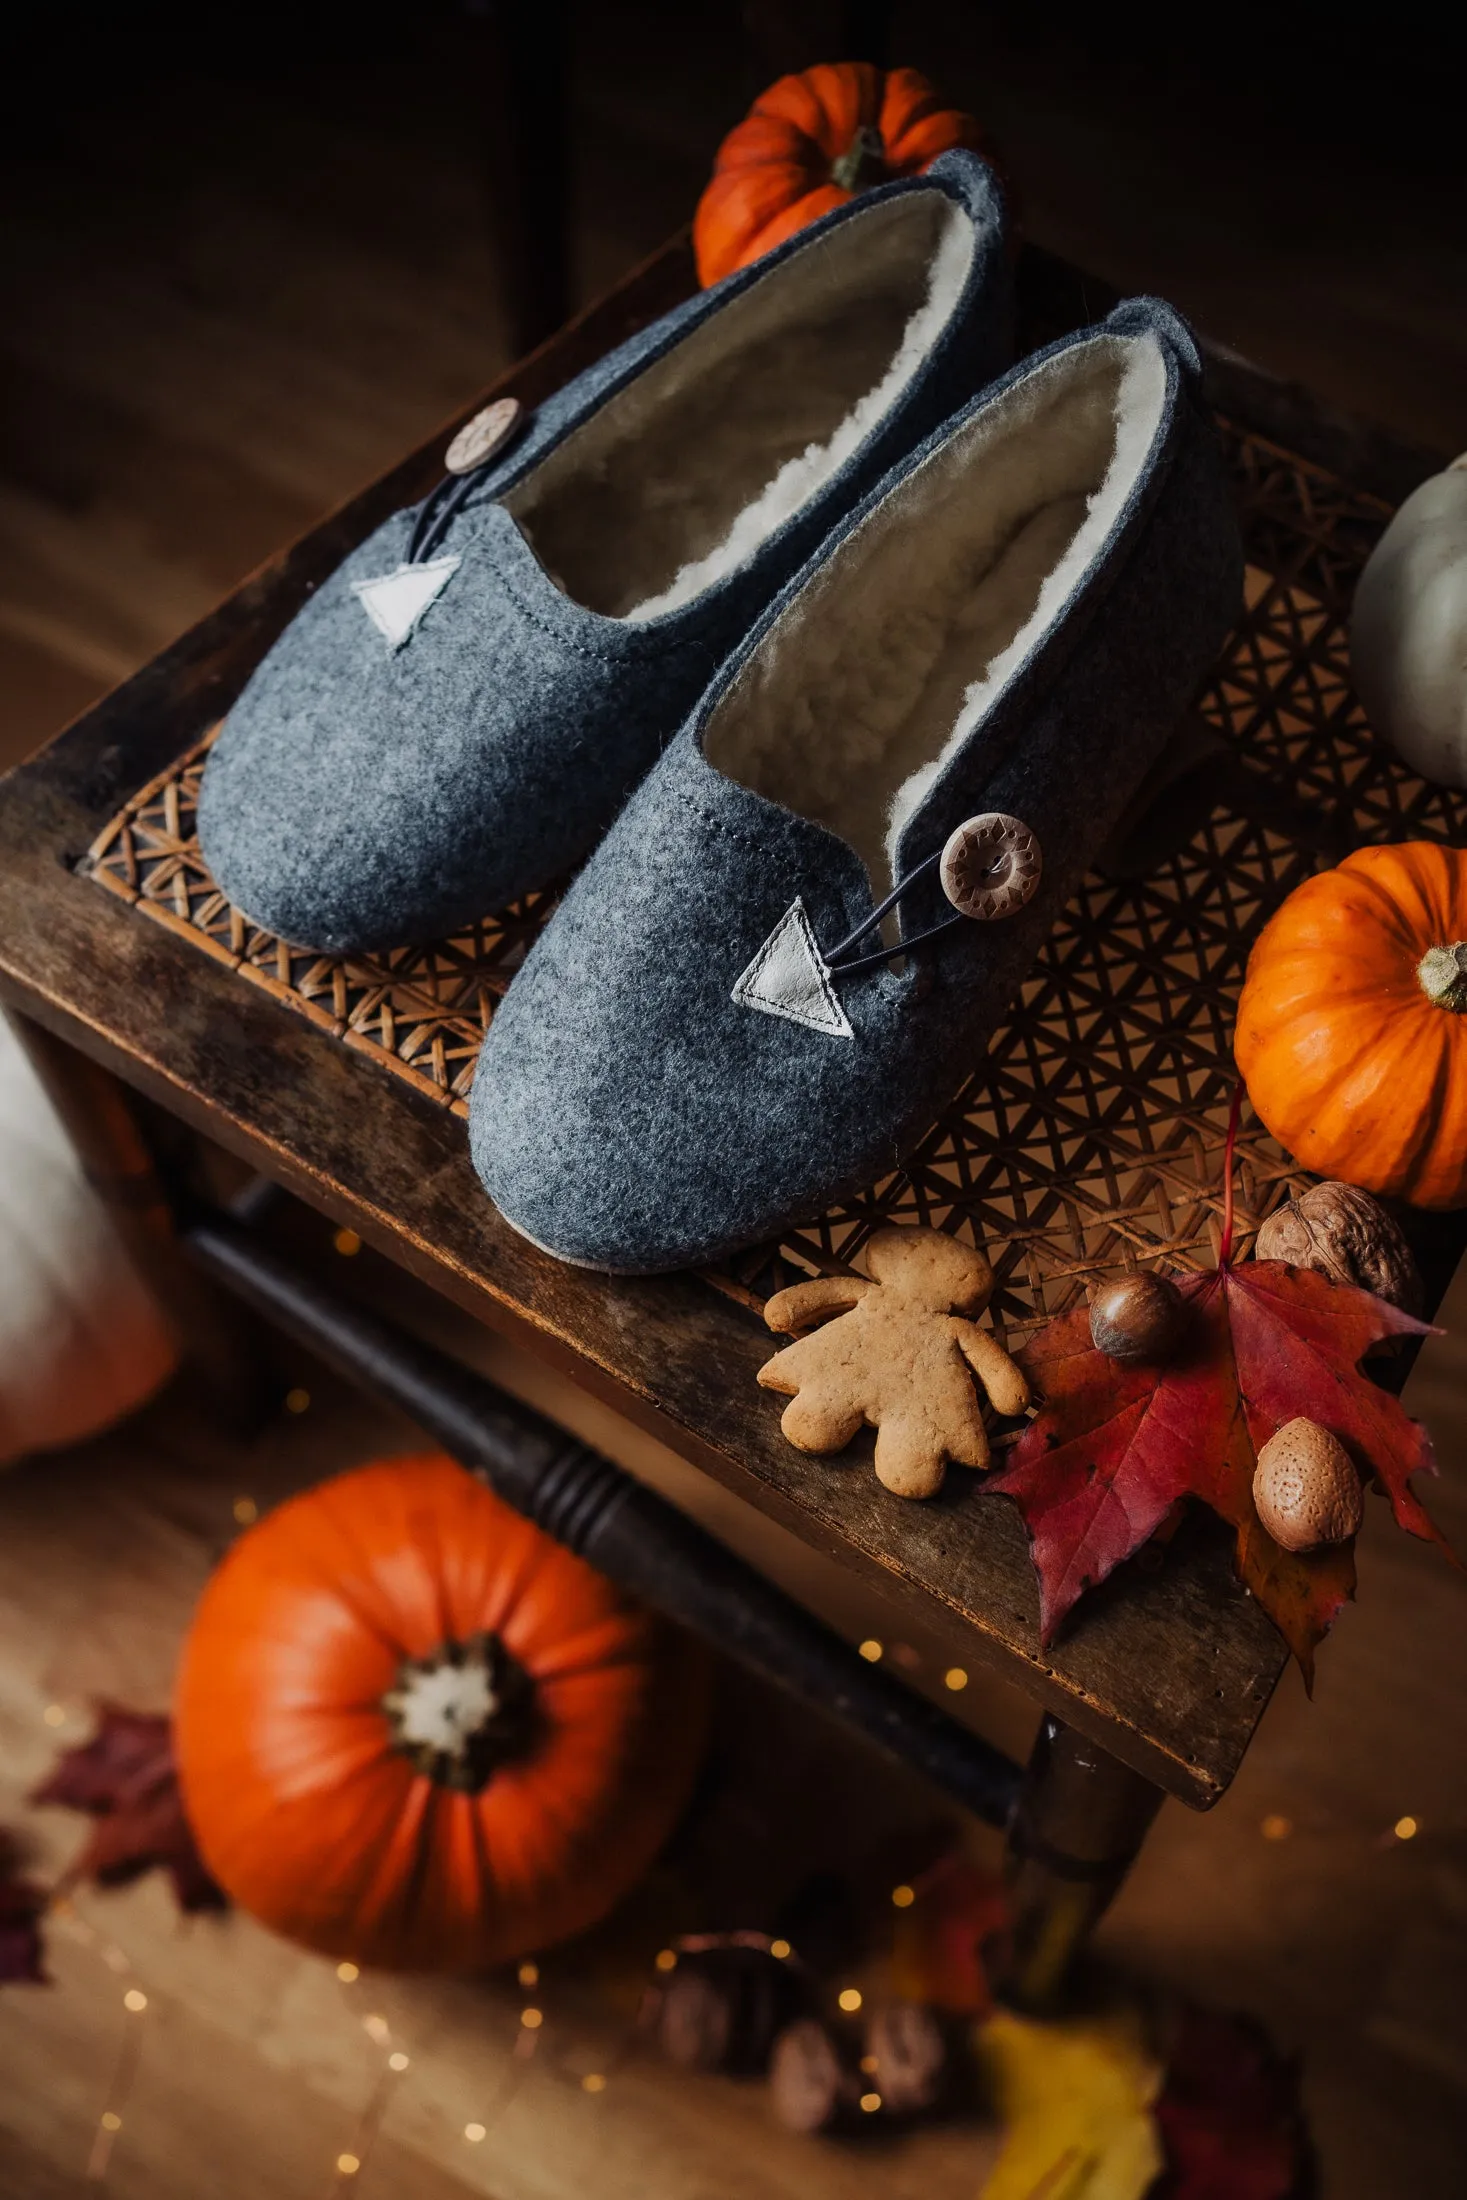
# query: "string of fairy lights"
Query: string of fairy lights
530,2021
68,1919
529,2033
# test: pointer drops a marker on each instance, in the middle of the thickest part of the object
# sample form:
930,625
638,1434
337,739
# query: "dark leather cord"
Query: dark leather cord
840,961
437,512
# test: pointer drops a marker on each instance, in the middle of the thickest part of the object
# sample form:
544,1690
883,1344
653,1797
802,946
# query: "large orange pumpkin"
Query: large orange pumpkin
810,143
1352,1028
413,1731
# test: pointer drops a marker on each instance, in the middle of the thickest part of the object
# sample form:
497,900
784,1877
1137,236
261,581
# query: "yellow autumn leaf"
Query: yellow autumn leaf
1074,2099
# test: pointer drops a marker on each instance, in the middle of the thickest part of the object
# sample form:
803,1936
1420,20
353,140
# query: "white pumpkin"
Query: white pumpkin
1408,630
81,1340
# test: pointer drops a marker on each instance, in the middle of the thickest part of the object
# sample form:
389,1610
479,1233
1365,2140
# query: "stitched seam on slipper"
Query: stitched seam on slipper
741,836
615,645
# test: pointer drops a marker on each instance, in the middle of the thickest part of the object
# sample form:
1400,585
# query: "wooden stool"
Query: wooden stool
1089,1139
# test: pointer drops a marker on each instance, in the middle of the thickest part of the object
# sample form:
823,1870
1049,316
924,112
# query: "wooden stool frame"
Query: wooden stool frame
1159,1685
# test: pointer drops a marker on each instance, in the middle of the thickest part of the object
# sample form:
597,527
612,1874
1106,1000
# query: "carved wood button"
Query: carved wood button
478,439
991,866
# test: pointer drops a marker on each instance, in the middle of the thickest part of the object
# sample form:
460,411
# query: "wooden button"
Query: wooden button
991,866
478,439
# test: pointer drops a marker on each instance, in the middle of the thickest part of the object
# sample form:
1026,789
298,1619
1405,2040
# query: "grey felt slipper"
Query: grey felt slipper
789,950
458,713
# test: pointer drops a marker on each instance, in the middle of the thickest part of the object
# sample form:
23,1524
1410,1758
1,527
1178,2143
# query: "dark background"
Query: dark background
249,256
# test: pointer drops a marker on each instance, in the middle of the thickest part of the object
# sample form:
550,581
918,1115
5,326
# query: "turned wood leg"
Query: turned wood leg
1081,1819
220,1340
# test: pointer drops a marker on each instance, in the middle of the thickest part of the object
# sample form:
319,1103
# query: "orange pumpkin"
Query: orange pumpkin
810,143
1352,1028
413,1731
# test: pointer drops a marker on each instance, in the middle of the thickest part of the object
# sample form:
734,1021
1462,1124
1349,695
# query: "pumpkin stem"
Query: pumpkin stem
1442,972
862,163
461,1712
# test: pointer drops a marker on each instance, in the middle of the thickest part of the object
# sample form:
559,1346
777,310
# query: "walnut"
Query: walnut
1306,1488
1347,1236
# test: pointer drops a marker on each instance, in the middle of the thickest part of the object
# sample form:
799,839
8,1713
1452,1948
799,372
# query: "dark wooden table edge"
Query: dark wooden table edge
208,664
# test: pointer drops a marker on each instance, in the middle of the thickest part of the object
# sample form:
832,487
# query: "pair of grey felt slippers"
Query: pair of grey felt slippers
842,671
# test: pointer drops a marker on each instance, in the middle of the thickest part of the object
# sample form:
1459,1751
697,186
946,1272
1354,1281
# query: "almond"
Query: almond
1306,1488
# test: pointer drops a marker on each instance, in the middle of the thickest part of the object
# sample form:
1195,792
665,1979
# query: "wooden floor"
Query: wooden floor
1293,1899
257,2066
219,314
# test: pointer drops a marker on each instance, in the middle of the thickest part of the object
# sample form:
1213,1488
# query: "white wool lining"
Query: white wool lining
885,665
678,478
799,479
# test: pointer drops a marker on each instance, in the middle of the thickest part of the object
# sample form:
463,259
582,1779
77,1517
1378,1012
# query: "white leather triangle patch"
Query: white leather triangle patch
397,601
788,978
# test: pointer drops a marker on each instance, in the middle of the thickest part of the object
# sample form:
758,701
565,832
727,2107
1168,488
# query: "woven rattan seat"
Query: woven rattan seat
1089,1139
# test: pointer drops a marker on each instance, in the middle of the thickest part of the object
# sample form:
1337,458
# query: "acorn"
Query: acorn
1348,1236
906,2057
723,2007
1306,1488
812,2086
1138,1318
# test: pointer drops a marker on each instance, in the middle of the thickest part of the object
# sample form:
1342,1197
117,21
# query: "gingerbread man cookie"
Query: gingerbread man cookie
894,1354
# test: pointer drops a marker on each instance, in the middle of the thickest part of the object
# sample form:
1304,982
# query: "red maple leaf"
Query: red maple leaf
22,1903
1116,1447
125,1779
949,1936
1229,2114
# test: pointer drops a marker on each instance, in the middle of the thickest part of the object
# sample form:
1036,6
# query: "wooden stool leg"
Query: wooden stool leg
1082,1817
96,1109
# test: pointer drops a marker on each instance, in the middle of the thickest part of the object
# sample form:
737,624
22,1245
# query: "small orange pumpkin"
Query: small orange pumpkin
809,144
413,1731
1352,1028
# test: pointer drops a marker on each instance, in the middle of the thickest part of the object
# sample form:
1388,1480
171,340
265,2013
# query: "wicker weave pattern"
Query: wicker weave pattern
1091,1136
